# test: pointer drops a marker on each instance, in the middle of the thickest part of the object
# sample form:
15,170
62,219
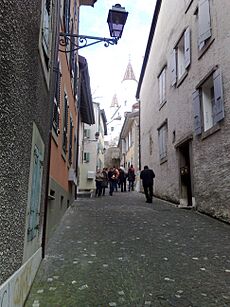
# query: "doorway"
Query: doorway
185,175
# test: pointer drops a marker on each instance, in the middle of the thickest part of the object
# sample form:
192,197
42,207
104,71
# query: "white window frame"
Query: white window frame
181,58
207,98
162,140
162,86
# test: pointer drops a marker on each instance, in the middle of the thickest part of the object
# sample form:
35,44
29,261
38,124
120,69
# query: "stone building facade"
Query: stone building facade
184,104
28,40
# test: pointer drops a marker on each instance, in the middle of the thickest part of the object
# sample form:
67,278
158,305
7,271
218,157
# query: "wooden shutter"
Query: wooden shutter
218,108
35,197
197,112
173,68
204,20
187,48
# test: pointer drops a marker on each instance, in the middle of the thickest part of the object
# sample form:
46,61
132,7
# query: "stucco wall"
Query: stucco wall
209,157
24,99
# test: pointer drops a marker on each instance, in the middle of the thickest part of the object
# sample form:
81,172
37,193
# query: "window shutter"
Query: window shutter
187,48
35,197
173,68
204,20
218,97
197,112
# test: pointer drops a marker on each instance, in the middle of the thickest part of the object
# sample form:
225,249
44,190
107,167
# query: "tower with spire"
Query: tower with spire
122,102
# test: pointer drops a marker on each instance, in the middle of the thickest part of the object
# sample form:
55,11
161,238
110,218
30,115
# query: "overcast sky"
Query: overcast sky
107,65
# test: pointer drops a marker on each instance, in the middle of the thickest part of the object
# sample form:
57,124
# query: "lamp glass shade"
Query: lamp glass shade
116,20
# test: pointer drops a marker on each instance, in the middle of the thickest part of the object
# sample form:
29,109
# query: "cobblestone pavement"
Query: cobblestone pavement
120,251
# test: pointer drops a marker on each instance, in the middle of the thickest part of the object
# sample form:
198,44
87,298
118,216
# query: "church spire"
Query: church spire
129,73
114,102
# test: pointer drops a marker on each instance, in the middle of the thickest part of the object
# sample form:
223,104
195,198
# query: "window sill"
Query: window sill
162,104
163,160
182,78
210,131
205,48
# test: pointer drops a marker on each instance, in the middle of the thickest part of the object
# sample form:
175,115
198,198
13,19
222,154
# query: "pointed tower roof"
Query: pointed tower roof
114,102
129,73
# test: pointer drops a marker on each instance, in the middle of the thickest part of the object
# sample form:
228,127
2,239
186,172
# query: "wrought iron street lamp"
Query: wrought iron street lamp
116,20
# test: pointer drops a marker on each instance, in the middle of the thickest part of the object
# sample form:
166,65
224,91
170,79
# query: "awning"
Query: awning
86,103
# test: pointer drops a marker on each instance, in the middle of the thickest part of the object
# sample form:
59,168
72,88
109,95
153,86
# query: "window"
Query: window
208,103
66,15
65,124
46,29
204,23
56,110
86,133
162,139
70,140
86,157
181,57
162,86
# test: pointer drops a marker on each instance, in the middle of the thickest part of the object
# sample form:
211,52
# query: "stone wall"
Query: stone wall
24,100
210,156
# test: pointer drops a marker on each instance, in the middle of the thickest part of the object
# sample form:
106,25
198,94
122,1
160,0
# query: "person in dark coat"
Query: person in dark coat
131,177
122,179
147,175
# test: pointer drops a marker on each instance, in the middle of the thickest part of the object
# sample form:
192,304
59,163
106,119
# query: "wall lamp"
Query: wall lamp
116,20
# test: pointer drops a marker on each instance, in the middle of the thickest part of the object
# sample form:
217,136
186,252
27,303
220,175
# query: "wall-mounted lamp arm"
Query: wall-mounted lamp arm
82,41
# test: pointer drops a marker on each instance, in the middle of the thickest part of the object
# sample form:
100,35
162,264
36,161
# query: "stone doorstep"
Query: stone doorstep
186,207
85,194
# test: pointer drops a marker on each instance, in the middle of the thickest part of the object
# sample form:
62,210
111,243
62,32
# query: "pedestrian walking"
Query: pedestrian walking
98,179
131,177
104,181
112,180
147,175
122,179
116,173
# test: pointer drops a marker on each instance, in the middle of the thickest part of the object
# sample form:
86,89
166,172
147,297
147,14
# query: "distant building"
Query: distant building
129,141
92,150
184,104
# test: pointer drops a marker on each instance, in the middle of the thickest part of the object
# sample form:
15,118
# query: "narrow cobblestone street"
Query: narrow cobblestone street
120,251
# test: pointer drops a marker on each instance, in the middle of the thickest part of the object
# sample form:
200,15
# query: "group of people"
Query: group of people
114,178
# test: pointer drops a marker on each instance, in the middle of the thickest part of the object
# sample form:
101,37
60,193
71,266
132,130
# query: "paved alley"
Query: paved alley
120,251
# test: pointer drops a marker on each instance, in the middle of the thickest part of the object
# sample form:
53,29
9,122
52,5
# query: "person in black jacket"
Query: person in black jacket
147,176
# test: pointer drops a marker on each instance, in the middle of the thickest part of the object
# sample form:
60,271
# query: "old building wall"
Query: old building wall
210,155
24,101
